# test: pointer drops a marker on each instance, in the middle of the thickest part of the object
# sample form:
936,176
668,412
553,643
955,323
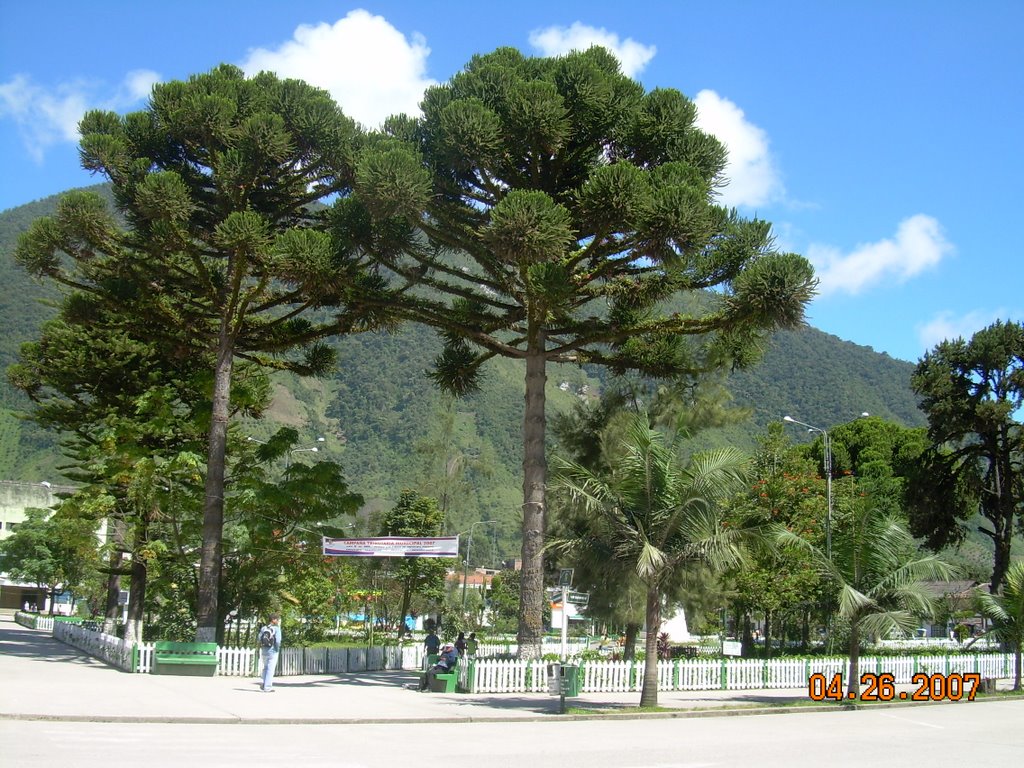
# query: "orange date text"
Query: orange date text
882,687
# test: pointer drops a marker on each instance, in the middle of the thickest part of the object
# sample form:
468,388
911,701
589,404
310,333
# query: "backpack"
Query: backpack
268,638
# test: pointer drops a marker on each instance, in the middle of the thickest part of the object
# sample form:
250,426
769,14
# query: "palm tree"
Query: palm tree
1006,612
656,515
879,574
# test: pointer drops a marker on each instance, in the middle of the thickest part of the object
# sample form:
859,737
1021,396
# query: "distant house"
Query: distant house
15,498
956,607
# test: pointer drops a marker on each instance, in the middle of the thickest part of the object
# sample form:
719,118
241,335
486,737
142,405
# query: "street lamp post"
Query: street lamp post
465,567
828,480
827,440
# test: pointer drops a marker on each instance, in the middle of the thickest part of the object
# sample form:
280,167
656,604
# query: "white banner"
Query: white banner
393,546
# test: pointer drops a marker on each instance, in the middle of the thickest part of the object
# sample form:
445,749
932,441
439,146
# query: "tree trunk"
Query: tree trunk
767,634
406,601
649,694
629,645
208,624
137,588
531,578
112,609
853,683
1017,668
748,636
1001,539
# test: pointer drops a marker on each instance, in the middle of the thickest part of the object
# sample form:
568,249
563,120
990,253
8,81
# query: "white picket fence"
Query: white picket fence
483,675
530,676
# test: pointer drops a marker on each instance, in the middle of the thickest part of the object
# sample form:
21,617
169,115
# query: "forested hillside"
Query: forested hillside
391,429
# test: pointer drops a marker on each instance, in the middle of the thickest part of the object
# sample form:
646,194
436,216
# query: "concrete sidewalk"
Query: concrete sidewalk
45,679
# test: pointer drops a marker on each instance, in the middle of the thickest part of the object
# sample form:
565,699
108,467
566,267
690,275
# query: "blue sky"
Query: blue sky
882,139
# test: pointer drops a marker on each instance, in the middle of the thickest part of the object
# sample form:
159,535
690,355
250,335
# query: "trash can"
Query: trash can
563,679
570,679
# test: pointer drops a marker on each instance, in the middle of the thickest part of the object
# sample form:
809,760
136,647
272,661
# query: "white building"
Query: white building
15,498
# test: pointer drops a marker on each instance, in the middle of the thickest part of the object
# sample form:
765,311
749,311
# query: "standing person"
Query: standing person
472,644
431,644
446,663
460,644
270,646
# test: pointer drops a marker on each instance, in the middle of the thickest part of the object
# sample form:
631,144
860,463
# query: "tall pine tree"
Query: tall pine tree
217,181
547,210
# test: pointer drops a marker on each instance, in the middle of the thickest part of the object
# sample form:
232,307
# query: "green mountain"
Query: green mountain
388,426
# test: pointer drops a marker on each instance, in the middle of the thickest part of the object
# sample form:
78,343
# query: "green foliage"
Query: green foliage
653,515
215,179
776,583
972,392
414,515
379,413
504,601
877,572
50,550
583,205
1006,612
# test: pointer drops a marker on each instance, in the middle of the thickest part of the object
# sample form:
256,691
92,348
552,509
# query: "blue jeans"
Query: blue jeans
269,658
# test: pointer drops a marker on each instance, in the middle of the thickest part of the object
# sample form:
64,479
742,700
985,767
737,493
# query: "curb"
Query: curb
667,715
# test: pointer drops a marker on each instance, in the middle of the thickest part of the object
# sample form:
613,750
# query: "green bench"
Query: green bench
444,682
196,659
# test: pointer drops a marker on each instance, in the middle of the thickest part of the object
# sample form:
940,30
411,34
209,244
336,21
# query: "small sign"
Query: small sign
732,648
565,577
554,682
577,598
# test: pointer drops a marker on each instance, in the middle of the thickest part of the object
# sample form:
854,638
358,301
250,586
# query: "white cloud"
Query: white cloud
555,41
367,65
138,84
919,245
946,326
752,174
46,116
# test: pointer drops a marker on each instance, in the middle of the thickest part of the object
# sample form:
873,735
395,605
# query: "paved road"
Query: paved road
983,733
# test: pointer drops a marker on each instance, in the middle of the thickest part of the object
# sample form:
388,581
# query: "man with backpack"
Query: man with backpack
270,644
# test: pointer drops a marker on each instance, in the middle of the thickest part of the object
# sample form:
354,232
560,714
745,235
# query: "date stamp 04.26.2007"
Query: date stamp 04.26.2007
882,687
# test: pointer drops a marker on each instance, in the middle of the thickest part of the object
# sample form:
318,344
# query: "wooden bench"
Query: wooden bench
197,659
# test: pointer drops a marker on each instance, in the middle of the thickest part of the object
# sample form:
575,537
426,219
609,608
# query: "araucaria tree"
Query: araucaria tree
216,179
551,211
972,392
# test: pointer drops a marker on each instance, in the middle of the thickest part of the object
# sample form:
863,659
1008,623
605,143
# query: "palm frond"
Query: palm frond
650,562
853,604
882,623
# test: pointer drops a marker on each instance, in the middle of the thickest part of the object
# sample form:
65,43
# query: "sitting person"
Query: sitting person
449,658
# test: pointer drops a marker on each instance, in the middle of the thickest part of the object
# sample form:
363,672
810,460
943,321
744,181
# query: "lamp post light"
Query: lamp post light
827,440
303,449
465,567
827,469
828,479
